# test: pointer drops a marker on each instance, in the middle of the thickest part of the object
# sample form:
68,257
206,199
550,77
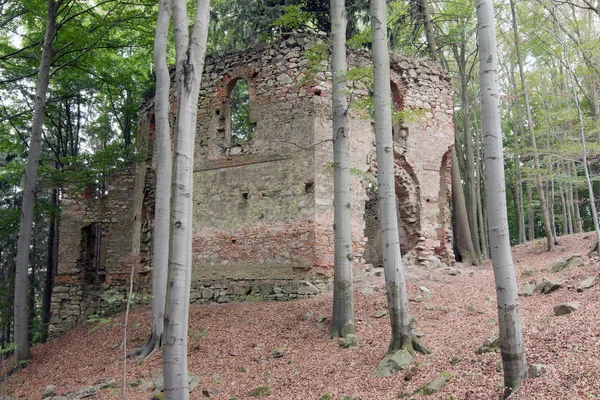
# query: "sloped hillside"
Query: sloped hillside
235,348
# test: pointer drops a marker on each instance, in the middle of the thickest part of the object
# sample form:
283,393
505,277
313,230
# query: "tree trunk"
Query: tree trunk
400,318
536,161
551,205
576,205
51,263
565,225
519,194
511,338
570,204
190,52
462,235
479,170
22,352
162,201
470,186
342,322
530,216
429,32
583,146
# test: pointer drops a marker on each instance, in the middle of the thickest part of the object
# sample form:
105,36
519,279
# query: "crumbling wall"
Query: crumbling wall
263,209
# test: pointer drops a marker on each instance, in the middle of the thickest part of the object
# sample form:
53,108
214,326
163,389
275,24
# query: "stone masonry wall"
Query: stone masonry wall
263,210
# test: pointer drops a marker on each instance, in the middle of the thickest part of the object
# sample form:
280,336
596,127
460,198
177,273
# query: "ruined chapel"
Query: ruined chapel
263,206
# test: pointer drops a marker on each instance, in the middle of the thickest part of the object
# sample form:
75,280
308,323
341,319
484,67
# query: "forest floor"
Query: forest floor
230,345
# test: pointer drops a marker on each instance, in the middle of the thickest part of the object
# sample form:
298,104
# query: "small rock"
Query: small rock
567,263
536,370
393,363
145,386
526,290
379,314
418,299
159,385
489,346
366,291
49,390
586,284
429,308
106,383
548,286
411,372
566,308
210,392
348,341
424,289
277,353
193,382
435,386
261,391
320,318
308,289
86,391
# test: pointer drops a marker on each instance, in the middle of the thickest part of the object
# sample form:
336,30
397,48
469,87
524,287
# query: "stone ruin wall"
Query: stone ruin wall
263,211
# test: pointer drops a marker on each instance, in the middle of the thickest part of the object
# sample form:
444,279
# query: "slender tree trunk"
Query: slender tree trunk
429,31
519,194
51,263
576,204
565,225
551,205
462,234
190,52
511,338
536,161
22,351
583,146
400,318
479,169
530,216
342,322
470,186
162,201
571,204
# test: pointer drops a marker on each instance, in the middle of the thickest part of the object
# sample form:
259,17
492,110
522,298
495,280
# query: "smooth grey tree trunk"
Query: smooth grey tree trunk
429,32
400,318
22,351
536,161
481,221
342,322
462,234
162,201
511,337
582,139
530,216
565,228
190,52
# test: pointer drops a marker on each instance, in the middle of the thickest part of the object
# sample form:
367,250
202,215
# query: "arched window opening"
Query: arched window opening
241,127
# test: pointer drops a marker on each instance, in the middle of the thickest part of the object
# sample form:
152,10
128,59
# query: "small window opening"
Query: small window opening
245,196
309,187
233,241
91,244
241,127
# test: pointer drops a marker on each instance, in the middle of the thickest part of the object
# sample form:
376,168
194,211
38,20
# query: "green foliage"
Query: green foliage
261,391
317,60
368,179
241,125
294,17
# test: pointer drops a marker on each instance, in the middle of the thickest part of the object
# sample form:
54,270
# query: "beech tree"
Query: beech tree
162,201
511,336
342,322
403,336
22,351
189,54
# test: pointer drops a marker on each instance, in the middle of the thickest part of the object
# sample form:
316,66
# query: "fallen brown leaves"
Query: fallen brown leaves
230,345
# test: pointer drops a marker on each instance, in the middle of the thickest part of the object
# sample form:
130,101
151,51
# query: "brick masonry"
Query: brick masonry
263,211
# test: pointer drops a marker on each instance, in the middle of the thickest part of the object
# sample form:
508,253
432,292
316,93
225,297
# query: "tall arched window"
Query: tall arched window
241,127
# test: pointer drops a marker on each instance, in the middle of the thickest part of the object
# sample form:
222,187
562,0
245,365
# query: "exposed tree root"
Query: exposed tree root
153,343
